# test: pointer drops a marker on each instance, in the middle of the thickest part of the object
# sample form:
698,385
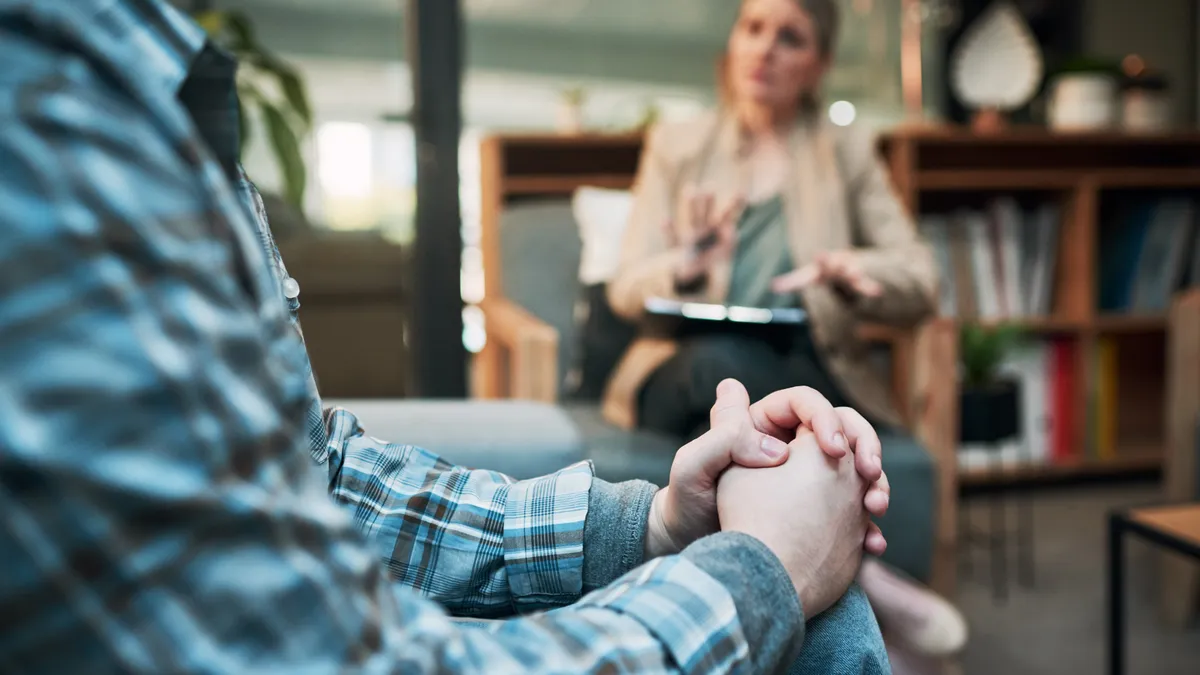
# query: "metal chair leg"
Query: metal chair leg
999,545
1025,531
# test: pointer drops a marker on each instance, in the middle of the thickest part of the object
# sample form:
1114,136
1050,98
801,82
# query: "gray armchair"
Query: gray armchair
533,341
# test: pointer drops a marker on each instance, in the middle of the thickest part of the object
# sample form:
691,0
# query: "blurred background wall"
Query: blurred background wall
626,55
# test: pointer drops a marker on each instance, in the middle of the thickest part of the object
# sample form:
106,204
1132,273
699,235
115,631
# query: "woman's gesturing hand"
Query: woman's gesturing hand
840,269
711,235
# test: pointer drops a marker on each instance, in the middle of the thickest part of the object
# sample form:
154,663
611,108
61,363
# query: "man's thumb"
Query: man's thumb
730,417
732,407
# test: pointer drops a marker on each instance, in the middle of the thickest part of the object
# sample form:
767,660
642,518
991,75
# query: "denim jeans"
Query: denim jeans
843,640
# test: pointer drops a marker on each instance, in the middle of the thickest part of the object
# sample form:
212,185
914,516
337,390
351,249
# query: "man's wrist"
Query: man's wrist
771,614
658,540
801,582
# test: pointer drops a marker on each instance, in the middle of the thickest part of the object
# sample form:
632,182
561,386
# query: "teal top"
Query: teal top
762,254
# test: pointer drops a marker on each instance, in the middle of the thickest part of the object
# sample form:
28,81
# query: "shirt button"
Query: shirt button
291,288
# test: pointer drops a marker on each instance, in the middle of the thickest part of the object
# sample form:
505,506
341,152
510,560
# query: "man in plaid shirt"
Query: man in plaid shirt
159,428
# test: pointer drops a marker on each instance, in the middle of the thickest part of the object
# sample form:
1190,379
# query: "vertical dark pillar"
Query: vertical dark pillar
435,57
1116,595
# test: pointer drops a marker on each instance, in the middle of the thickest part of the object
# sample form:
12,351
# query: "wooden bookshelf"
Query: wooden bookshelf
938,169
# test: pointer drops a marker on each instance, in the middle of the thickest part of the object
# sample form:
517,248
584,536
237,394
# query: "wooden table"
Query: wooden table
1173,527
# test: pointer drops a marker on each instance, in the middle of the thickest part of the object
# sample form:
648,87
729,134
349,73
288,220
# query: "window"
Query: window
365,178
344,156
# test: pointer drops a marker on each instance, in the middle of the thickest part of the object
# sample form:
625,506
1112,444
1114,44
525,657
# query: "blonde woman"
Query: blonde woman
765,203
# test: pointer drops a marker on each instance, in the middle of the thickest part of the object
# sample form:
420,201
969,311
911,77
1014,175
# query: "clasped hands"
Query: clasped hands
792,471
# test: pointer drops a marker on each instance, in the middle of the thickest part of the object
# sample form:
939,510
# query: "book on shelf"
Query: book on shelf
995,263
1049,379
1147,251
1105,403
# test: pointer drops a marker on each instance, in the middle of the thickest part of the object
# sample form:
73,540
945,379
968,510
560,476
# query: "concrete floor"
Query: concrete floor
1059,626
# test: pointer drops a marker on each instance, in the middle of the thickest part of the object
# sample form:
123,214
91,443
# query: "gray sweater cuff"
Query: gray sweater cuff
614,534
767,605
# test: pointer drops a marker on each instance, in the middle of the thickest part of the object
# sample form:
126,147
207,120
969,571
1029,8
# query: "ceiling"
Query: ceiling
695,17
660,42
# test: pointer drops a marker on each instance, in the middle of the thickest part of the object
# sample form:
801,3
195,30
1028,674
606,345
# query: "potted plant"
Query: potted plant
989,401
570,110
1083,95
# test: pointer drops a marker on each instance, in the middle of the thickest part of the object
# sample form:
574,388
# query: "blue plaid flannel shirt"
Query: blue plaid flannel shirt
158,421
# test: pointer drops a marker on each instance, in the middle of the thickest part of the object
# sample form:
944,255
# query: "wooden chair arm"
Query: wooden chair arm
521,357
925,388
1179,579
1183,396
932,411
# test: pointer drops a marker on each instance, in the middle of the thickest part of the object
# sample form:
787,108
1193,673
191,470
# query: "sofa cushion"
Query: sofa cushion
602,216
522,439
621,455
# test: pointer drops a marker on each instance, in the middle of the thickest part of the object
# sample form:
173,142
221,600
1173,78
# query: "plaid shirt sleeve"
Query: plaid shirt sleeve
161,513
480,543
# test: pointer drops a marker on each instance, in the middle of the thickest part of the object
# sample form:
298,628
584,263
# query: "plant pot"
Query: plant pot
570,118
1083,102
991,413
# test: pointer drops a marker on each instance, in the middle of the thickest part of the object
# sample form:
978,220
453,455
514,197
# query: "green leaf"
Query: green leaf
243,125
983,351
1090,65
286,145
290,83
574,95
242,32
212,22
248,97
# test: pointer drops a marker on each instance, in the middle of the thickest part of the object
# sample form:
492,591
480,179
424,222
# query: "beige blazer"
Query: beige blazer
838,196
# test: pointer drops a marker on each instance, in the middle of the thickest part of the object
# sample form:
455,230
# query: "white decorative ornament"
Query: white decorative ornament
997,65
